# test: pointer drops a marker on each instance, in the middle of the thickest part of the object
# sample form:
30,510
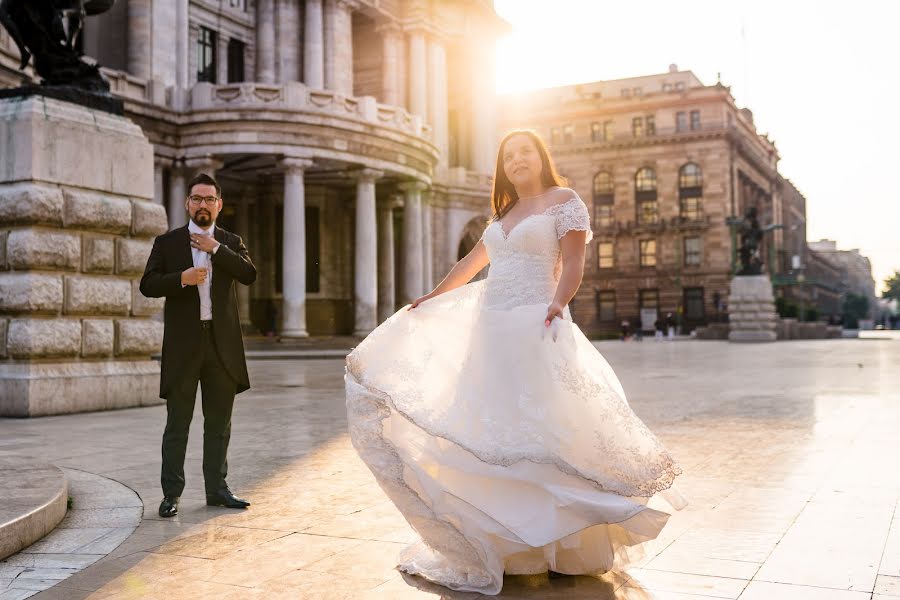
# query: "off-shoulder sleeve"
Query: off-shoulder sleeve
572,215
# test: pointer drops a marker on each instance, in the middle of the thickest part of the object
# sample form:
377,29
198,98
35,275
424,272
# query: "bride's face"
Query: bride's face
521,161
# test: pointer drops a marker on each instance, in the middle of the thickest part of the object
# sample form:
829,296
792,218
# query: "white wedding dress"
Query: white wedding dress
507,445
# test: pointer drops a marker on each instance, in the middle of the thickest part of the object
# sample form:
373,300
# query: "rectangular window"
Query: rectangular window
603,215
650,122
679,86
648,253
605,255
680,121
695,120
667,87
693,251
606,305
693,304
626,92
596,132
691,208
637,127
648,212
313,258
235,61
609,130
568,133
206,55
648,298
555,137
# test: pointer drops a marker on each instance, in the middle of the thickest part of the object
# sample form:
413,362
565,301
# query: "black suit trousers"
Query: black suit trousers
217,390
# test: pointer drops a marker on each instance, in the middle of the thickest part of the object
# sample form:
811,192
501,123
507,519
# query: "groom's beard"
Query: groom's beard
202,218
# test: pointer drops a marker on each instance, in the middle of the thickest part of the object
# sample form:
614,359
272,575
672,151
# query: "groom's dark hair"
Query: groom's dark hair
204,179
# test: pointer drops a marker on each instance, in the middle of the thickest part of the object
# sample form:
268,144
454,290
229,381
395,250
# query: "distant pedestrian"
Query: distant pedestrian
670,325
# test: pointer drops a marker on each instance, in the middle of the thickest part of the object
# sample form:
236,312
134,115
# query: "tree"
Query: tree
856,307
892,286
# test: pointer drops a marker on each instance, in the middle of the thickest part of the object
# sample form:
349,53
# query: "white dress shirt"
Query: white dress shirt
203,259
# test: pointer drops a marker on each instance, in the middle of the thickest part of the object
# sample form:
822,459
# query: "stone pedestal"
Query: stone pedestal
751,309
77,221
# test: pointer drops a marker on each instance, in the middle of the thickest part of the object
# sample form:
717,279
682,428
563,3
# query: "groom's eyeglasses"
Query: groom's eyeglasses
208,200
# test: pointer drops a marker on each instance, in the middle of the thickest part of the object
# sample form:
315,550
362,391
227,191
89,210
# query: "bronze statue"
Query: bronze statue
48,31
751,239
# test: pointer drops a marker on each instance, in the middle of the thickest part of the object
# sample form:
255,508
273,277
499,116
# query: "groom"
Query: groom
194,268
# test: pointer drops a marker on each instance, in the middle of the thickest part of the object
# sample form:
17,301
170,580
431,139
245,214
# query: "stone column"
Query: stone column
438,105
159,167
339,46
221,59
365,290
242,228
182,44
140,42
427,243
391,41
177,194
293,280
412,240
287,35
484,126
386,297
313,46
265,41
418,91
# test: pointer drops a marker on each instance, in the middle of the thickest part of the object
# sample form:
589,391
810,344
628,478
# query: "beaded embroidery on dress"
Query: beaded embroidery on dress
508,446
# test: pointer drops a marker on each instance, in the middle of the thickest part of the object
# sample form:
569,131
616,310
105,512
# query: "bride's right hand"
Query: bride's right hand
418,301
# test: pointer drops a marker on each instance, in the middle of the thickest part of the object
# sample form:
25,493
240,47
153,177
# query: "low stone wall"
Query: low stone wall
75,234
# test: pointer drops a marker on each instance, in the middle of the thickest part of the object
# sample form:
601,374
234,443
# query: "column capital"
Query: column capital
391,201
388,27
292,165
412,186
194,164
367,175
350,5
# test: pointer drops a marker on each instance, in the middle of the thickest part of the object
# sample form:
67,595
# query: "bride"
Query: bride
487,417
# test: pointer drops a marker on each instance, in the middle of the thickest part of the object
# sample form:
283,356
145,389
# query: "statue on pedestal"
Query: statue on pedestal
48,32
751,240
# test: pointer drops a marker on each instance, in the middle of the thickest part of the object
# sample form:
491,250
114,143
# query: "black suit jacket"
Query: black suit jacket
170,256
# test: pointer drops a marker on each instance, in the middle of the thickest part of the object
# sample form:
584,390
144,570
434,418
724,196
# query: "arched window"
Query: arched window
645,196
690,192
604,199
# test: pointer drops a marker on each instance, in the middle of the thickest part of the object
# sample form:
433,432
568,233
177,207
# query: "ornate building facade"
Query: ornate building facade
665,164
354,139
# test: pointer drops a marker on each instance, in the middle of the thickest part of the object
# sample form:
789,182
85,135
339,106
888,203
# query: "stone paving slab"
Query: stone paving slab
787,450
33,496
104,513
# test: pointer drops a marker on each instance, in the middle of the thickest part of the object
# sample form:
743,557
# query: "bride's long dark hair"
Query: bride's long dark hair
504,196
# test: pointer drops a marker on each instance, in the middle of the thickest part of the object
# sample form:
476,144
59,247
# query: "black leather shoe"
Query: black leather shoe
169,506
225,498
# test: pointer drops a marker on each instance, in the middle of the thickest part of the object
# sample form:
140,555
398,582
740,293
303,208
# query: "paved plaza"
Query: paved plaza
789,451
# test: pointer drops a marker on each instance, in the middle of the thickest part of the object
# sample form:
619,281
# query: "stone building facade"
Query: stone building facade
663,163
855,271
354,139
807,278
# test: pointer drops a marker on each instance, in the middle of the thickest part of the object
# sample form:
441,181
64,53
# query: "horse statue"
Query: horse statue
48,32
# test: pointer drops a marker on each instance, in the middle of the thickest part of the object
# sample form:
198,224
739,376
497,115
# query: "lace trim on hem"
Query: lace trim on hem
664,480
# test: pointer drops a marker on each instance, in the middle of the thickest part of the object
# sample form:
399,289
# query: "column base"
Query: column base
362,332
294,334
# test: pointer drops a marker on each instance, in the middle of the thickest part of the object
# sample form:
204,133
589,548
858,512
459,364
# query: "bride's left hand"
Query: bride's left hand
555,309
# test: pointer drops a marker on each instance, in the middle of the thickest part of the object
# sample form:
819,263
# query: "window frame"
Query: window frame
207,42
686,304
610,305
695,123
693,258
651,258
611,256
681,122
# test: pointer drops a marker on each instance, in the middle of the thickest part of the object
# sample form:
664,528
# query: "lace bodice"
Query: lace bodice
526,261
